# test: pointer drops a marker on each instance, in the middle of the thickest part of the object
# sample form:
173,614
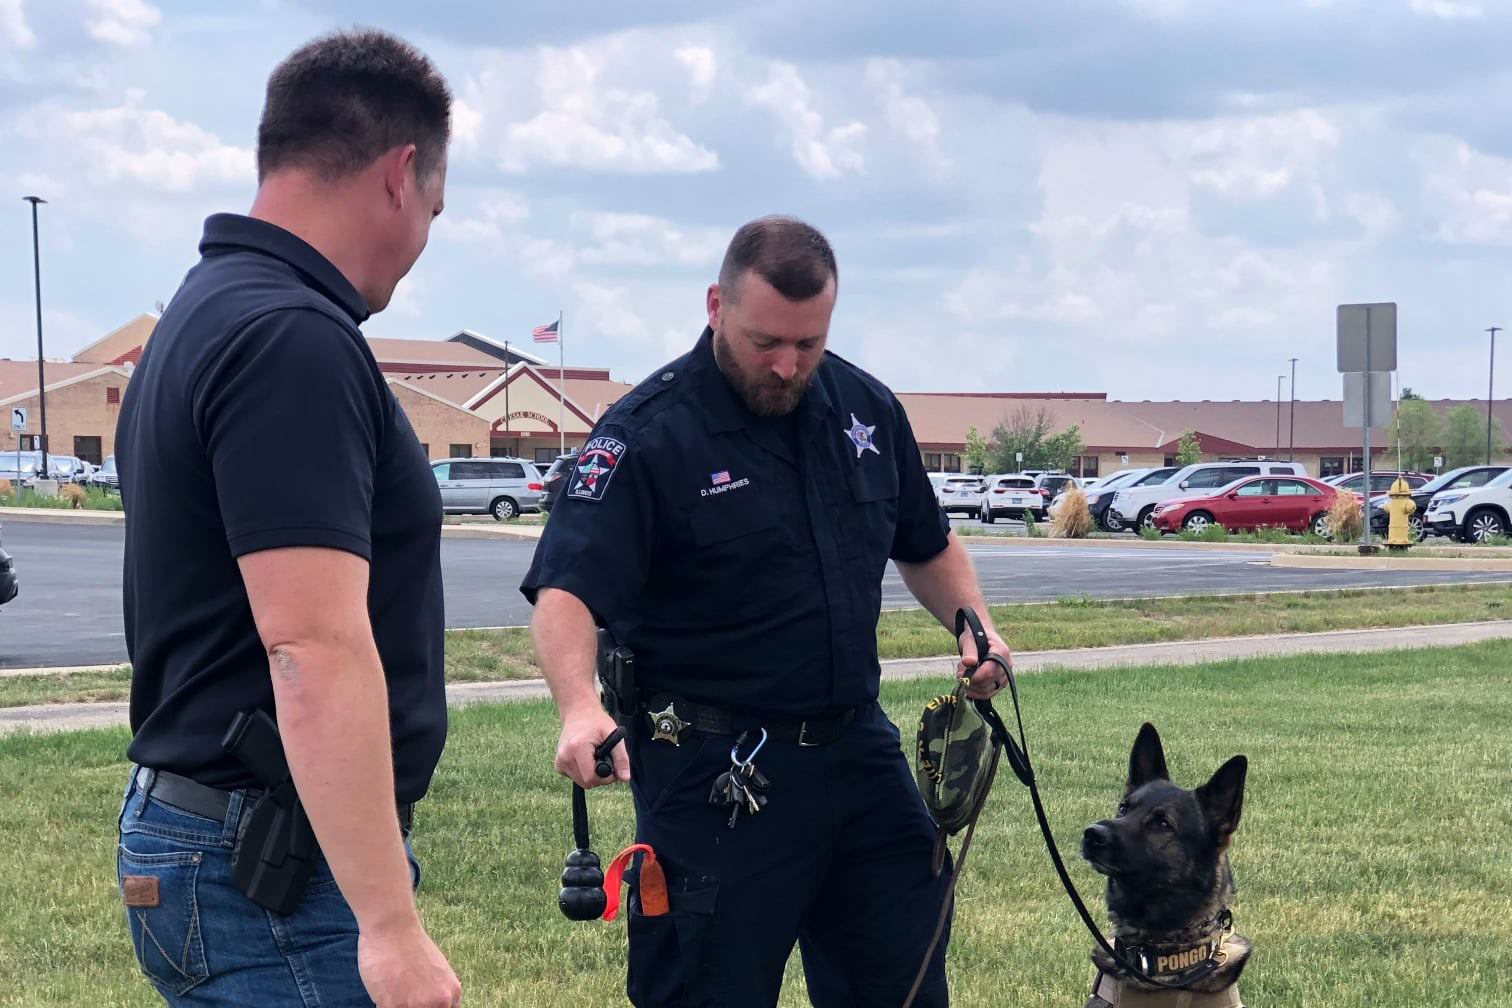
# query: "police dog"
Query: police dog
1169,884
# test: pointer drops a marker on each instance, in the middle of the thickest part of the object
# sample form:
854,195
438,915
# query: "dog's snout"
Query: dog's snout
1097,837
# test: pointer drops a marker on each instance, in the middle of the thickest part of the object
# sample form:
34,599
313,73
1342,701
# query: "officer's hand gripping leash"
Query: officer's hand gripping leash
933,767
582,896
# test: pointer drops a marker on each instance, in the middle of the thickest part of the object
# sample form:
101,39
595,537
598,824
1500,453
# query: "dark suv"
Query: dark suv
1465,478
8,583
554,479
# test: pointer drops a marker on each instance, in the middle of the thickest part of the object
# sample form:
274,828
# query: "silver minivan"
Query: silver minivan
502,487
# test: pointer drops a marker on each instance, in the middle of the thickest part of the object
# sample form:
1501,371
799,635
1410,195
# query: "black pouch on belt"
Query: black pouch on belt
275,848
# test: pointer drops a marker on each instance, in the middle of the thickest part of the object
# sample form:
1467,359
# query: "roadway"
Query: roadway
69,609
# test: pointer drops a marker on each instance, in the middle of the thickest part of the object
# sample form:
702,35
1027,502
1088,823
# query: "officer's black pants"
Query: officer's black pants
839,862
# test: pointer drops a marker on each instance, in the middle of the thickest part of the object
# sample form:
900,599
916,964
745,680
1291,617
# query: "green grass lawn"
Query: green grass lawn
1374,858
490,655
95,499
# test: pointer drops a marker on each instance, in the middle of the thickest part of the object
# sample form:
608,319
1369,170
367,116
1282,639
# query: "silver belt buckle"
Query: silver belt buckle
803,736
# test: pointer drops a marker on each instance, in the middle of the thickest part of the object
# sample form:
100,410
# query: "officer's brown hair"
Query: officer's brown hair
785,252
338,102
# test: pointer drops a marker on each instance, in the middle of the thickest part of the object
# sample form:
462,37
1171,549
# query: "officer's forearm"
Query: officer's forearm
946,582
334,719
566,642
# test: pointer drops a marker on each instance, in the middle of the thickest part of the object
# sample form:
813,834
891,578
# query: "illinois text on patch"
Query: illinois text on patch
595,467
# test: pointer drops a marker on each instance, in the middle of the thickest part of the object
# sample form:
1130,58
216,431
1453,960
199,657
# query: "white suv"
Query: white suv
960,494
1135,505
1477,515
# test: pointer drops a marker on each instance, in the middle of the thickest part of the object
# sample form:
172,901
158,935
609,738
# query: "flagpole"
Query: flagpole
561,388
506,393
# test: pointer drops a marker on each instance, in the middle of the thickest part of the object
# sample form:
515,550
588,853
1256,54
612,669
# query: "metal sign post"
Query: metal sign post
1367,347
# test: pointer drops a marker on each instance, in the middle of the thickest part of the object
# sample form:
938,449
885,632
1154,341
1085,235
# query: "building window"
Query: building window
88,449
1170,460
1356,463
1085,466
952,463
112,397
545,456
461,451
33,442
425,450
1331,465
932,461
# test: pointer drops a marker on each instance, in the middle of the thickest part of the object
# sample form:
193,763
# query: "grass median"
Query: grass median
491,655
1374,860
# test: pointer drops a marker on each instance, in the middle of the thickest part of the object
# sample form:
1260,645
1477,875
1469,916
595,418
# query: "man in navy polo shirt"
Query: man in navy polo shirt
283,555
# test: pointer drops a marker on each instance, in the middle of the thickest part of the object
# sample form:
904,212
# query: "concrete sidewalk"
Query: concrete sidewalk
46,718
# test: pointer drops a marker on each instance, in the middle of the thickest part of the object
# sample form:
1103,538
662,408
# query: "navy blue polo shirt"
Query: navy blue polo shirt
259,419
743,573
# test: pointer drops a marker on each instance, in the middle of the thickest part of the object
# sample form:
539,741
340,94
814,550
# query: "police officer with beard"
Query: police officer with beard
730,521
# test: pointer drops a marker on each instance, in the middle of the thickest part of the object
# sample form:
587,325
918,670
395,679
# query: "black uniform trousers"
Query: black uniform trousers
838,861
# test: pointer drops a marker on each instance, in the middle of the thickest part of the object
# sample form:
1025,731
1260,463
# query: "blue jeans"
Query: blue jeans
201,942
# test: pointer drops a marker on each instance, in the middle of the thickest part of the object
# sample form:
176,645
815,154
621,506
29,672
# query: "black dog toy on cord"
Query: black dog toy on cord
583,897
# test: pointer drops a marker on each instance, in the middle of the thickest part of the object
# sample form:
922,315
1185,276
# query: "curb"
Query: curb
48,718
1392,563
60,516
1134,543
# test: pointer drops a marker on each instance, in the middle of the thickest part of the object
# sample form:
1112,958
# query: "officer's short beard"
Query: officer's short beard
765,396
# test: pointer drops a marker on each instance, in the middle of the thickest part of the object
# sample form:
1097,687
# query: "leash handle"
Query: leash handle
604,768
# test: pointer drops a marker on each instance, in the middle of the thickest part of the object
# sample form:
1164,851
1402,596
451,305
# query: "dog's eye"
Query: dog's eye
1159,821
1123,808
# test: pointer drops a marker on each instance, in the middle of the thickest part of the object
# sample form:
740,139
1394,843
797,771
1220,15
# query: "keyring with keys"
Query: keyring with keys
742,788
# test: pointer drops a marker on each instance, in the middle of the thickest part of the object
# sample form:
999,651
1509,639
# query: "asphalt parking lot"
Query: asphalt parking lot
69,609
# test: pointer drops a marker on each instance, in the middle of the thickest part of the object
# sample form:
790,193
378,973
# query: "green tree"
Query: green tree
1407,394
1188,450
1061,448
975,452
1420,432
1023,433
1465,437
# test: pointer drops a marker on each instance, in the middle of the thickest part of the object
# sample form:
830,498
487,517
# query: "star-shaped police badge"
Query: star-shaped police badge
861,436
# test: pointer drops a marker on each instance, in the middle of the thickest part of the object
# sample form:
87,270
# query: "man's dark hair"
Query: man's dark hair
787,253
340,101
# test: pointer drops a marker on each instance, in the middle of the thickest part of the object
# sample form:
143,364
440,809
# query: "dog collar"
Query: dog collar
1181,964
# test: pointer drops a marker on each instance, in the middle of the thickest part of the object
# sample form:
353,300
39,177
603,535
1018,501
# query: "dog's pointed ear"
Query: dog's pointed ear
1222,798
1146,760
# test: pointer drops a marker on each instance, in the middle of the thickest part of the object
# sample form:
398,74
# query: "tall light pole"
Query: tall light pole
1291,451
1490,386
1279,379
41,380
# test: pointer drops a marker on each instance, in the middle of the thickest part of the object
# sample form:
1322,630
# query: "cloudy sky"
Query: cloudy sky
1152,198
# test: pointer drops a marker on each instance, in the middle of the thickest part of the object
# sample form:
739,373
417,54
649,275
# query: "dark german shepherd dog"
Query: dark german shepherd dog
1170,885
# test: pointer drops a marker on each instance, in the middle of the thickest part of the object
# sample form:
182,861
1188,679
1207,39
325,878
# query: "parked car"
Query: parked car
1477,515
1291,502
65,468
553,481
502,487
1380,481
9,586
20,467
1463,478
1009,496
1051,486
1100,497
106,475
960,494
1136,505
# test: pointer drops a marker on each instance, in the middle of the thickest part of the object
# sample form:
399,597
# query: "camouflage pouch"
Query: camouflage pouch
955,761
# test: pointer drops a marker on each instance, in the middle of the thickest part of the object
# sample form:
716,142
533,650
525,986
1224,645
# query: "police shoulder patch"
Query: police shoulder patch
595,467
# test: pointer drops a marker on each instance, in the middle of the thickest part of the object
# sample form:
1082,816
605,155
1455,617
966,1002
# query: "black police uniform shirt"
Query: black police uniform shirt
741,558
259,419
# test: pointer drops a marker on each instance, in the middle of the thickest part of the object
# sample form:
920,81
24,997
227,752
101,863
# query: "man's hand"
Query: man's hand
989,678
581,734
404,969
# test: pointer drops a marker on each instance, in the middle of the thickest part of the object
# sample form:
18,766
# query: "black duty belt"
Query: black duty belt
213,803
669,716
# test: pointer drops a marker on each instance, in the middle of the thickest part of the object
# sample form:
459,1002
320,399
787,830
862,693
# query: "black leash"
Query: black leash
1023,769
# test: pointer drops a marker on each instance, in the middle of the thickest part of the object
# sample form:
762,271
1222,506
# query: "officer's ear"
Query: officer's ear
398,167
714,301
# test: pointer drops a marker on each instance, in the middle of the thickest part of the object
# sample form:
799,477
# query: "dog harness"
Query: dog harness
1120,994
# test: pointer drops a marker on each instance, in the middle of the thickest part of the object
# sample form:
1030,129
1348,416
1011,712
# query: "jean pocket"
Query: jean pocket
159,891
671,955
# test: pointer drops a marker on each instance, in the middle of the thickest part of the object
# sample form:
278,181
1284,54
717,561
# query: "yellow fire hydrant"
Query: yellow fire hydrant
1398,508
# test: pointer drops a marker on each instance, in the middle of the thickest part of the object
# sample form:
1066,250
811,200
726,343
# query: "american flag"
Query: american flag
544,333
720,478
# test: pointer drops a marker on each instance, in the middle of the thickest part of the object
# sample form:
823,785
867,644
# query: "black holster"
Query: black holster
616,674
275,848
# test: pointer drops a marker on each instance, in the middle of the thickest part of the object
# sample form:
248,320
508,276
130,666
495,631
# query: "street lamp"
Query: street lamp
1291,451
41,380
1490,385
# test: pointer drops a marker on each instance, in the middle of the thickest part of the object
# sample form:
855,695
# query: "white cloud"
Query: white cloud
823,153
467,123
497,212
123,22
1449,10
606,129
908,115
15,33
701,67
1257,156
644,240
407,302
1473,193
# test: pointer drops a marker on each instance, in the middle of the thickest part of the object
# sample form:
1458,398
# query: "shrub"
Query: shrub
1149,532
1031,530
1074,519
6,490
1345,519
73,494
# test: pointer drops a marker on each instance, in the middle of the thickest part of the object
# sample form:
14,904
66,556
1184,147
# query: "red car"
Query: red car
1292,502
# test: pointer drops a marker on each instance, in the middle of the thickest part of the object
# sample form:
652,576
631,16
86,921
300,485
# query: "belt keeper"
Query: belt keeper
652,887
